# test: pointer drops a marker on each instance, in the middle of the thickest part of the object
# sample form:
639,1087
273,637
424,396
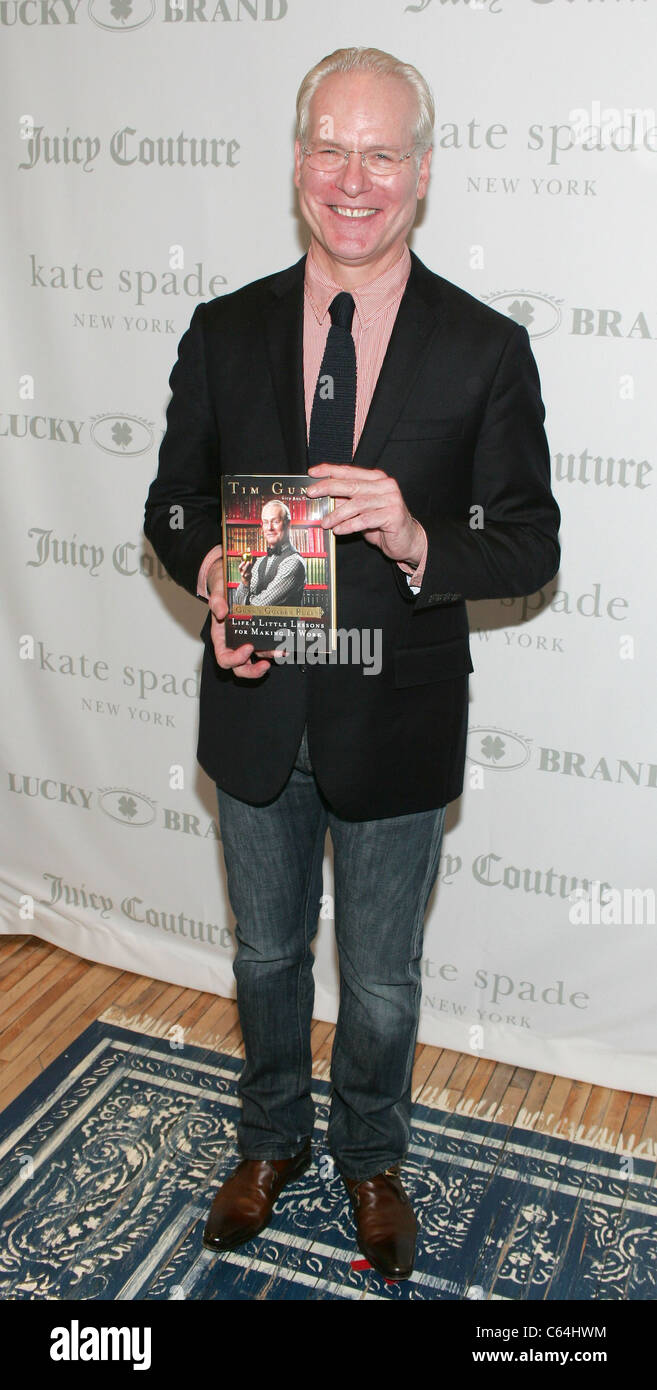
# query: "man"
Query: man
279,576
447,498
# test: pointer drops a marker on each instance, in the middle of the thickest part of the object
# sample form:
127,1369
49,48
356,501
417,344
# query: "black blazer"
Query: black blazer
457,419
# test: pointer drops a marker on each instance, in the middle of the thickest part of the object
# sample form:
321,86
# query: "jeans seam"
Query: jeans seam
319,839
435,839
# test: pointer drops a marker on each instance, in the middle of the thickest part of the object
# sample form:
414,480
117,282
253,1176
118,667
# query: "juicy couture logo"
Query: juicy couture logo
126,147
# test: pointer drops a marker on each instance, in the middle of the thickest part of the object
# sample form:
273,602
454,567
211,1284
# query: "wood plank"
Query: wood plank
63,1010
476,1085
459,1078
510,1105
590,1126
425,1060
159,1017
500,1077
529,1113
194,1019
572,1110
648,1142
438,1077
44,1009
322,1049
522,1077
19,1073
135,987
17,963
553,1104
11,943
632,1127
617,1109
31,988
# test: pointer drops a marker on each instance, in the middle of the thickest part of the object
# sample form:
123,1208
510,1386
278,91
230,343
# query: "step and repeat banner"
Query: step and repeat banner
148,166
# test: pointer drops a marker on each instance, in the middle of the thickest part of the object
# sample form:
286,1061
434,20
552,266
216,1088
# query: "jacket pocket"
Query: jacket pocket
427,429
421,665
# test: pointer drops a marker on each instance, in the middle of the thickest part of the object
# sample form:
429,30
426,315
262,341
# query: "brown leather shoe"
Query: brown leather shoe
385,1222
243,1204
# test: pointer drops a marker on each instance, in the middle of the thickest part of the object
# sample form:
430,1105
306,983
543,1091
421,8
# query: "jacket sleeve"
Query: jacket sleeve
183,511
509,544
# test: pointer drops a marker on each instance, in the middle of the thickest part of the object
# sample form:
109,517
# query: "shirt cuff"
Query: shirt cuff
201,584
416,576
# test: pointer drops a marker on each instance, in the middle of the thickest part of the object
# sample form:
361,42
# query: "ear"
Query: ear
423,173
297,162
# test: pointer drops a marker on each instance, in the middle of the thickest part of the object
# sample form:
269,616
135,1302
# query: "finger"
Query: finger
341,487
228,657
252,670
236,656
359,507
357,524
345,470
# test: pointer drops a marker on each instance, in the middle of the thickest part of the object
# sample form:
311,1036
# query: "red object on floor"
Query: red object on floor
365,1264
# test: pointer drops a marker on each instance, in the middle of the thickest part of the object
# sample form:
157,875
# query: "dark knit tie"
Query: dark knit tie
332,418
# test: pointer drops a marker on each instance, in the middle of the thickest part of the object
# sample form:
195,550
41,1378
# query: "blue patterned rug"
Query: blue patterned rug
110,1160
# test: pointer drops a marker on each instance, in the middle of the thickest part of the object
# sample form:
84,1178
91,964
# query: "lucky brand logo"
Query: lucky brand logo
490,747
538,313
125,435
123,16
126,806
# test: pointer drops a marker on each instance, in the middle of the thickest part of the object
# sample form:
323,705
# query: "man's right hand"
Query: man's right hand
238,659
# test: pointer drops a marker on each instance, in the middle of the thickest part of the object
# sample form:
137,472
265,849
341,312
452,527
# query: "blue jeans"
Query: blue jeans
384,872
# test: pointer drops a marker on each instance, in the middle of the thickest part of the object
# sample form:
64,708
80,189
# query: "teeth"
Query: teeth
354,212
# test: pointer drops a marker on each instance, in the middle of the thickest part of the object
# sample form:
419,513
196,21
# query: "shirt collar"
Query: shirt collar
370,299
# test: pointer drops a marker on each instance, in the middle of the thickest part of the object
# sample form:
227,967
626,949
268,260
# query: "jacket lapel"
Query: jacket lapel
284,337
413,331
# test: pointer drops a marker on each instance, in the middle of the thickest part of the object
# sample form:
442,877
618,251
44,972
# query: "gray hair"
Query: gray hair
285,510
369,60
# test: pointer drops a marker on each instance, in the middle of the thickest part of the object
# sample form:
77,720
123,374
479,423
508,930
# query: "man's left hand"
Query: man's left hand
373,504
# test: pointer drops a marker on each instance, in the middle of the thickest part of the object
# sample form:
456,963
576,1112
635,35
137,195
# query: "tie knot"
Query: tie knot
341,310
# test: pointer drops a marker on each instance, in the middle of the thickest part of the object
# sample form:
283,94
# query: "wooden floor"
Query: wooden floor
48,997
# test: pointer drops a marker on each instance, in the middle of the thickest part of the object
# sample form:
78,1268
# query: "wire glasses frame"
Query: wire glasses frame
327,159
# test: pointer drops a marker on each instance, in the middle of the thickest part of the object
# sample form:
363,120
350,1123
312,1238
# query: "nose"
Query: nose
354,177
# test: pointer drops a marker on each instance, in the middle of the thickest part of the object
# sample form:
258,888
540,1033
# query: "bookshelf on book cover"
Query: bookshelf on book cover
244,532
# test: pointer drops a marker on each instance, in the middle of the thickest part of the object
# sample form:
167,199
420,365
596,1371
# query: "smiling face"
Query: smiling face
273,524
359,222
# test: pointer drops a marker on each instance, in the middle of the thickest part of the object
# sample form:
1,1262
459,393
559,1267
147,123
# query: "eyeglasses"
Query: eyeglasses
381,163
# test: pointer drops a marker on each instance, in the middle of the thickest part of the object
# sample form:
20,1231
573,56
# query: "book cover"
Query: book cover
279,564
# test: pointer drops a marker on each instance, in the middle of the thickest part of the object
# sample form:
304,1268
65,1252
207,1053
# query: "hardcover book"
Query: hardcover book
279,564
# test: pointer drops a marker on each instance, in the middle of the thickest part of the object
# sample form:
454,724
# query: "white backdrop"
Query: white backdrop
149,158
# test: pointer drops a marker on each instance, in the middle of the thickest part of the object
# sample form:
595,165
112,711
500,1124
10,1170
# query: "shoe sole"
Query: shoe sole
244,1240
385,1273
